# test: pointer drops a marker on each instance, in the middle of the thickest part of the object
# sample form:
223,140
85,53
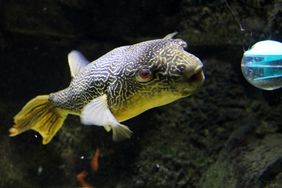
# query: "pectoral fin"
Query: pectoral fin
76,62
98,113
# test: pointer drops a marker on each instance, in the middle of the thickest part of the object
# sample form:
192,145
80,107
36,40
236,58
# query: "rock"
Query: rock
247,161
200,23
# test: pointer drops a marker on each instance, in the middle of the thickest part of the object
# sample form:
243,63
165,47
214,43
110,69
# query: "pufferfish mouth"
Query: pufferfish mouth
197,77
193,82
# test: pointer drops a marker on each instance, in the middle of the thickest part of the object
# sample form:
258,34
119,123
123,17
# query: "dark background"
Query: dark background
227,135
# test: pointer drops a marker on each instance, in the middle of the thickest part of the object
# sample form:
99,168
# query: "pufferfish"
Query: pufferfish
116,87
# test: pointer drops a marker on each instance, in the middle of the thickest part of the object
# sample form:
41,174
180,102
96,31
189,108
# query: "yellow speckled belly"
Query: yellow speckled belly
138,104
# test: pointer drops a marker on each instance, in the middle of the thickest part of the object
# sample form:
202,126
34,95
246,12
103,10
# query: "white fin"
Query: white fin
171,35
98,113
76,62
108,128
121,132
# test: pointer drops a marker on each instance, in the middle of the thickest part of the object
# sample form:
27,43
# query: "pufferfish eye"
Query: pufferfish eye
144,75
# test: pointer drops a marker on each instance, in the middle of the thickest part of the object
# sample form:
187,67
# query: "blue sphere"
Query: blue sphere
262,65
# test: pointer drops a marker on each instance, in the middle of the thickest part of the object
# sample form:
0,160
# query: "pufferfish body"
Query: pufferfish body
117,86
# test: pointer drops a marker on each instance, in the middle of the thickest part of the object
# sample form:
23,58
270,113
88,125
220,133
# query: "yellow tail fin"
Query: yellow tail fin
39,115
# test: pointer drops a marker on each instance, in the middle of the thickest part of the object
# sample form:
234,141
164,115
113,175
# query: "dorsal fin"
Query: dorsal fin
76,62
170,35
